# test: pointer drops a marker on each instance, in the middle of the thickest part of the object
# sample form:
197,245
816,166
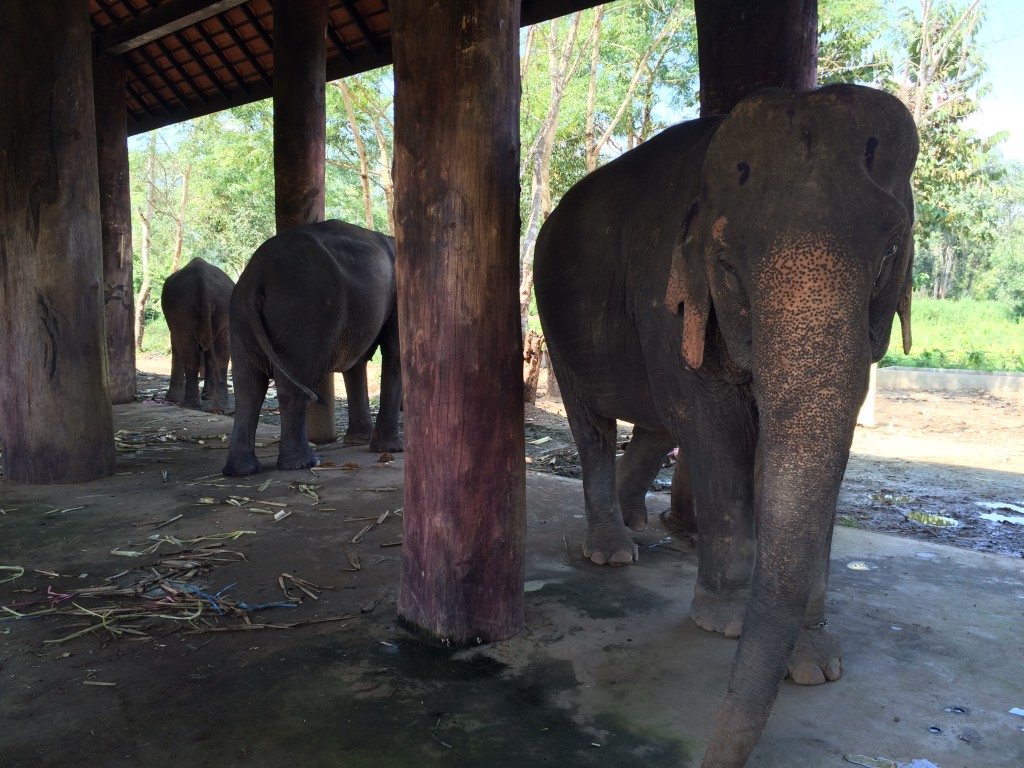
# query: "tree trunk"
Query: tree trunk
179,220
745,46
533,355
364,162
300,145
456,157
56,423
145,288
116,226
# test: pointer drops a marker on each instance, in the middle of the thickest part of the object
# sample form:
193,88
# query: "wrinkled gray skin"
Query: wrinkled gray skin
725,286
314,299
195,303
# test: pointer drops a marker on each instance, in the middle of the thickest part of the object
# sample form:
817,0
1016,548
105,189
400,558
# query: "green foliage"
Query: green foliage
972,334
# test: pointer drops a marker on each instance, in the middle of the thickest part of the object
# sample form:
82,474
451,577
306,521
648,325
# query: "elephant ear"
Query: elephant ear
687,292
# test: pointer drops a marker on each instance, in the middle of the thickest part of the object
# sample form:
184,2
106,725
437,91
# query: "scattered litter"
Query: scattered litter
861,565
884,762
307,490
98,682
160,540
927,518
1017,711
386,458
264,485
281,515
890,498
540,440
353,560
934,729
16,570
167,522
368,607
306,587
956,710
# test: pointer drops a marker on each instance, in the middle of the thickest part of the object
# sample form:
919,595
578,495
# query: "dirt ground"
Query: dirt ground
170,616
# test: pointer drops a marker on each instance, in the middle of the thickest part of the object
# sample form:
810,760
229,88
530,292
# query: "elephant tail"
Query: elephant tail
259,331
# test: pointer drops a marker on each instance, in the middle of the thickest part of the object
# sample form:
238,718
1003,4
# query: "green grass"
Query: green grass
976,335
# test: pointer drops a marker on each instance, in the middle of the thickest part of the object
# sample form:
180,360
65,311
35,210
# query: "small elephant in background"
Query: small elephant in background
195,302
314,299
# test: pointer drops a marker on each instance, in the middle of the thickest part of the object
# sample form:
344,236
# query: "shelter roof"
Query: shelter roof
186,58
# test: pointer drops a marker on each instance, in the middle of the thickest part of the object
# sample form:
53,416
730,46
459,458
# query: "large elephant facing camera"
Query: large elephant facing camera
314,299
726,286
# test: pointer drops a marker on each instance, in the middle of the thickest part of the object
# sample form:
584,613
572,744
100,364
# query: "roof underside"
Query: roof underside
186,58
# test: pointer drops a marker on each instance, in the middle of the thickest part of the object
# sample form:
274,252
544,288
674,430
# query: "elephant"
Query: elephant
725,287
314,299
195,302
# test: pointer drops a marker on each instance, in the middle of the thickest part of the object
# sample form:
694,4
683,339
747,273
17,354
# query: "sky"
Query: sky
1001,39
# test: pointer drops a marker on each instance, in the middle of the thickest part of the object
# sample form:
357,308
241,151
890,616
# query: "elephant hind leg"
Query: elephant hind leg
250,390
295,451
636,470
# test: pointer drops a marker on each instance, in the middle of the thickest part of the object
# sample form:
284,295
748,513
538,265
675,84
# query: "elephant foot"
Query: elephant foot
816,658
721,612
386,443
298,460
680,523
194,403
610,548
250,465
635,517
356,438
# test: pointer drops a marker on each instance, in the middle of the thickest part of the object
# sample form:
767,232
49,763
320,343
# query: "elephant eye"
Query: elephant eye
893,248
726,265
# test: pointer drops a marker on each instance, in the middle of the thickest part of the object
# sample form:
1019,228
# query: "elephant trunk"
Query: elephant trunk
811,357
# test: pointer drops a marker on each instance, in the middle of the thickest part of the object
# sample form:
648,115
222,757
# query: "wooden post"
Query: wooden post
55,415
116,225
457,226
300,144
743,46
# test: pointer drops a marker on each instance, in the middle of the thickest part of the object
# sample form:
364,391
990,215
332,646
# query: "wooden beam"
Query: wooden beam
159,22
56,423
457,220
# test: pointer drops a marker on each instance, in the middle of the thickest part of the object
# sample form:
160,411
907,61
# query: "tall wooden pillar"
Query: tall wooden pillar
744,45
55,414
457,220
116,225
300,144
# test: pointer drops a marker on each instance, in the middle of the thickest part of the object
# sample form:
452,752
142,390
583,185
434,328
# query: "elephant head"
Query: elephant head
799,246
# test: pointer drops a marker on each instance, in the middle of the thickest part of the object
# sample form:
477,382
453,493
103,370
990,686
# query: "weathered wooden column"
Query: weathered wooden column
457,220
300,143
55,414
743,46
116,225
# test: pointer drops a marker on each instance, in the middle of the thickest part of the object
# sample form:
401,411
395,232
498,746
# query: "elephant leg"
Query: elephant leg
386,434
250,391
215,382
817,656
360,422
681,518
176,389
607,541
636,470
295,451
721,463
192,398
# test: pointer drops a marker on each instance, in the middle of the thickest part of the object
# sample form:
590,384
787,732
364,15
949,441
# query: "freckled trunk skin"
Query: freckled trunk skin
809,389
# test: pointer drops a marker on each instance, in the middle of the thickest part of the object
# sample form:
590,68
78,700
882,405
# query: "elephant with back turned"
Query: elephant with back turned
726,286
314,299
195,302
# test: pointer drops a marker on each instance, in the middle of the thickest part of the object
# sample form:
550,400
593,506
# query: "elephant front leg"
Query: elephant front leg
636,470
817,656
176,388
295,451
360,423
192,398
721,462
386,434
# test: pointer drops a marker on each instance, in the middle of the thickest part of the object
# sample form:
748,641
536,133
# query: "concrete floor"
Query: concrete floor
608,671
